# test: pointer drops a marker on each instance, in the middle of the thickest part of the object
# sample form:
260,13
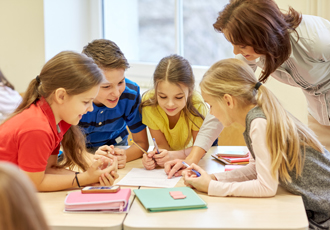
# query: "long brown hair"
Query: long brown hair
76,73
19,206
5,82
262,25
285,134
177,70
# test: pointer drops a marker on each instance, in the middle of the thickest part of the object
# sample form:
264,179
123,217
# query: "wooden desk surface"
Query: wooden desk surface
284,211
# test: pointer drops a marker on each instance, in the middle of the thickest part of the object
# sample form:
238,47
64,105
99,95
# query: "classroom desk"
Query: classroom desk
284,211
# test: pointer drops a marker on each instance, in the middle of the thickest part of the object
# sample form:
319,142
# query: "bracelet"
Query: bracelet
76,178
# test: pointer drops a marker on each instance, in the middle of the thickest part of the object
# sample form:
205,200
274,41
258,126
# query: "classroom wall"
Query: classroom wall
22,46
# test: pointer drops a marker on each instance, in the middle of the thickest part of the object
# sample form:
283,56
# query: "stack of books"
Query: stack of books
233,157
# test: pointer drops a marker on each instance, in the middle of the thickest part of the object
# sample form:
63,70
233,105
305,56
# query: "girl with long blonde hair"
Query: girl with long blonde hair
46,120
283,150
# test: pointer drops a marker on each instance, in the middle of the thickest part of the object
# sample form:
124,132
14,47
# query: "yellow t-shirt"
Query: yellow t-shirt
156,118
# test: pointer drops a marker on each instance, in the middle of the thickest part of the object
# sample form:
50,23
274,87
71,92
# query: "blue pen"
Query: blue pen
156,145
197,173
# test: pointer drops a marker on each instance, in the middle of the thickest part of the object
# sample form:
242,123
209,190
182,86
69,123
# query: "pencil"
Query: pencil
138,146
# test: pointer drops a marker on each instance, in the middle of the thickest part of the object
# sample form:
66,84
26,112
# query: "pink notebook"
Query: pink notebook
77,201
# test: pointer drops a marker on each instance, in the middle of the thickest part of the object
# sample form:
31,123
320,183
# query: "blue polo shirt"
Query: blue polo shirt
108,125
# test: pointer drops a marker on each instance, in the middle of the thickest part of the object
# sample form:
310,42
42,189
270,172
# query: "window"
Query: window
148,30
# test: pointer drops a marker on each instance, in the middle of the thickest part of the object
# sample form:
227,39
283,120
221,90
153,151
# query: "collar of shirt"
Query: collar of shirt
59,128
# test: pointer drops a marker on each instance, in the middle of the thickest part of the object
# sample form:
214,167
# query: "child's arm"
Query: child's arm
208,132
259,180
133,152
53,182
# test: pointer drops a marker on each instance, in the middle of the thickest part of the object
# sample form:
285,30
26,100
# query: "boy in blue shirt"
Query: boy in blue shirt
115,107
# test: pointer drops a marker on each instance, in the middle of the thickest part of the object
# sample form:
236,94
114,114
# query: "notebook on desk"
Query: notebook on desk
115,202
160,199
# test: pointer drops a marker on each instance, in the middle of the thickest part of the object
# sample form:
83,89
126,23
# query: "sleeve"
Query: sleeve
9,100
202,109
134,118
209,131
149,117
34,149
317,44
252,64
254,184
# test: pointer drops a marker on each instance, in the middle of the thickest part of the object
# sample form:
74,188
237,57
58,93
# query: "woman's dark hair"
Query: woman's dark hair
262,25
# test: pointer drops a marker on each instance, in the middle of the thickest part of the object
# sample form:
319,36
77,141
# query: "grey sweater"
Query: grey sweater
313,184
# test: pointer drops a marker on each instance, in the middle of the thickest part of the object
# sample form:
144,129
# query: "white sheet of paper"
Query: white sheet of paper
149,178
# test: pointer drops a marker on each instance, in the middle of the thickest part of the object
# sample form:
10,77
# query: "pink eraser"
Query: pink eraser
177,195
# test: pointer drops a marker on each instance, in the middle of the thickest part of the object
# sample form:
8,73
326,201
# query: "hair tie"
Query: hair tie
257,85
38,79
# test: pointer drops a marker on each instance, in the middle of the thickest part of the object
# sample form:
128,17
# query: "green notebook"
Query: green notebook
159,199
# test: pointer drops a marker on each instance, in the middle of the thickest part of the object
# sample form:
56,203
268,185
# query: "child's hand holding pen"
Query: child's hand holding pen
192,180
148,161
161,156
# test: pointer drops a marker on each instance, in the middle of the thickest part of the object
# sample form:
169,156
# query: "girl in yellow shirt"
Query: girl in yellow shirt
173,111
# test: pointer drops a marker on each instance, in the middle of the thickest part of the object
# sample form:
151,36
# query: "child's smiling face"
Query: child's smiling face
172,98
112,88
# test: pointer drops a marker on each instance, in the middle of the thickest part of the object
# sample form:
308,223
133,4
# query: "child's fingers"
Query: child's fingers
106,148
149,163
163,153
112,167
150,167
108,179
172,167
197,168
98,163
118,151
114,174
151,154
101,181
